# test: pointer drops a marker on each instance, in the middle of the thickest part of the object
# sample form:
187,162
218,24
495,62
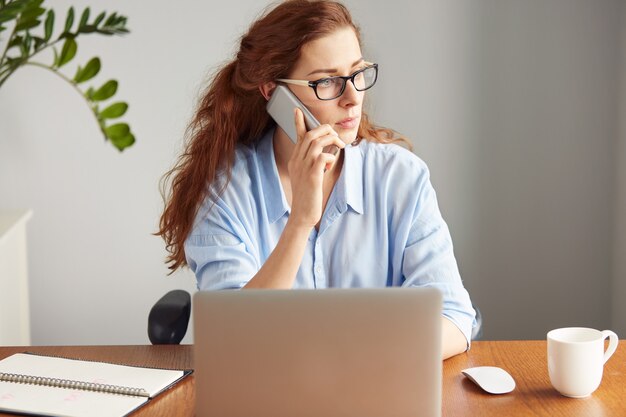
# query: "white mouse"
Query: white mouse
492,379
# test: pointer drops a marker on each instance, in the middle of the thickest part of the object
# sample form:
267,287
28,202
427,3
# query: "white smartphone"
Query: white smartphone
281,105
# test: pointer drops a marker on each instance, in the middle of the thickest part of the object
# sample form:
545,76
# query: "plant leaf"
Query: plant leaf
83,18
111,19
12,10
91,70
99,19
32,4
88,29
17,4
123,142
9,12
68,52
89,93
49,25
32,13
25,11
114,110
6,17
26,44
16,41
39,42
114,25
116,131
106,91
27,24
69,20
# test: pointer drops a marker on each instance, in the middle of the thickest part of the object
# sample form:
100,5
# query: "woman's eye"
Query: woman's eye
328,82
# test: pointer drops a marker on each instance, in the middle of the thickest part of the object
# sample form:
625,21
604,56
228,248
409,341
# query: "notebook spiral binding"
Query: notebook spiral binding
70,384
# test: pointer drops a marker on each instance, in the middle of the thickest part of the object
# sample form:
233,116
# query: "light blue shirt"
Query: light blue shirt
381,227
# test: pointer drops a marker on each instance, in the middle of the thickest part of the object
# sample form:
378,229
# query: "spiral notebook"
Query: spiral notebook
50,386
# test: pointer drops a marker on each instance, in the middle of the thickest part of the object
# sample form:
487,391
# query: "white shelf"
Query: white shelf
14,300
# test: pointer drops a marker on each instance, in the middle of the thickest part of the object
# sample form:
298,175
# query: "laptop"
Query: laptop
318,353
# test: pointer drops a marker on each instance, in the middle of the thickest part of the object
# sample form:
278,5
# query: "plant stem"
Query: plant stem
4,53
73,84
8,71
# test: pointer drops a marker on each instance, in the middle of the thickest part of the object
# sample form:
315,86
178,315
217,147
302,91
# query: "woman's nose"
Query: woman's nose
351,96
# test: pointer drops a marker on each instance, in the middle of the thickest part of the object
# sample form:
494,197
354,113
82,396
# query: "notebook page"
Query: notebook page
38,400
151,380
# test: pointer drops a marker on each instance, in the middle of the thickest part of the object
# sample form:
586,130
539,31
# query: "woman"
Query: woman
248,208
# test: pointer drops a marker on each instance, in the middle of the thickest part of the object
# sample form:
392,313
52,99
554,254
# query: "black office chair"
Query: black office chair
169,318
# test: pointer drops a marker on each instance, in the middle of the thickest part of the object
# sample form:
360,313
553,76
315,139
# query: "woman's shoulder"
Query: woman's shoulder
249,155
231,186
391,155
237,173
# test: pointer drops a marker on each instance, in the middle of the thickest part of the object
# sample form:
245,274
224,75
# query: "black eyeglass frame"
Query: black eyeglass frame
351,77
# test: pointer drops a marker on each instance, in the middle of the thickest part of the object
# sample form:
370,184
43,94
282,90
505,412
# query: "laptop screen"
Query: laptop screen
332,352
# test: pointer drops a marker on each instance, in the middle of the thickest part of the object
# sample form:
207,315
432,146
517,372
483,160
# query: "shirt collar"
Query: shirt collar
275,200
349,187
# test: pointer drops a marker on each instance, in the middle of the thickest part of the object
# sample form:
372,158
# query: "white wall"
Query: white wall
512,104
95,268
619,252
514,107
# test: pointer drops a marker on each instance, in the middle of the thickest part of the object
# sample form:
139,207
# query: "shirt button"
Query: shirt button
318,270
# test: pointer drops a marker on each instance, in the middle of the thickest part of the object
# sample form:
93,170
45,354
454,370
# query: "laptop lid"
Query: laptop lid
332,352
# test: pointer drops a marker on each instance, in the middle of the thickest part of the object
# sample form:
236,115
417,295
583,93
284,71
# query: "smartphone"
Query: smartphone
281,105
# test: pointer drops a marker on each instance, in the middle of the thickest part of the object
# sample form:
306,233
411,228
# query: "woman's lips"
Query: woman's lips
349,123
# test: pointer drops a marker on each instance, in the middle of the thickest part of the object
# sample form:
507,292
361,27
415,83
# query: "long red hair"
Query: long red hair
232,110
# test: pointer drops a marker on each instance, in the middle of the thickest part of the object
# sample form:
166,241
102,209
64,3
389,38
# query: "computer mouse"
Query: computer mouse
492,379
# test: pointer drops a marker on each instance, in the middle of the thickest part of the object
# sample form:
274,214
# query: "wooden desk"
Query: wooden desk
525,361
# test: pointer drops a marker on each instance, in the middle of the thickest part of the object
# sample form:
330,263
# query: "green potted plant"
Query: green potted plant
30,28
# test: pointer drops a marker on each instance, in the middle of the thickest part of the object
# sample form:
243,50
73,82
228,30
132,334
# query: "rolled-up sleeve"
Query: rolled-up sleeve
428,260
218,251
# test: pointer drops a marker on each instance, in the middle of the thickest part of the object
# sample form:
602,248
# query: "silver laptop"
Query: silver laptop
318,353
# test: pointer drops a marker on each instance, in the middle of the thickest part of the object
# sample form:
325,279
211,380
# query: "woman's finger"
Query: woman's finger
324,161
313,135
300,126
319,144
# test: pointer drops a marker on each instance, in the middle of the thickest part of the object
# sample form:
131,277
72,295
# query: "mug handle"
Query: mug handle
613,340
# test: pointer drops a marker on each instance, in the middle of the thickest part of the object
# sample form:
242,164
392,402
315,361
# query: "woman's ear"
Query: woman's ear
267,89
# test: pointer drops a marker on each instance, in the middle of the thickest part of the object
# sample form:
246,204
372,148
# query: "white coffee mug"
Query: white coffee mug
576,358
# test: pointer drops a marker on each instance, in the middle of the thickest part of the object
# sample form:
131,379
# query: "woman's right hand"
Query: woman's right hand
307,166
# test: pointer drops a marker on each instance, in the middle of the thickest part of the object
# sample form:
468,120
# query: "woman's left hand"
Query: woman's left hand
306,167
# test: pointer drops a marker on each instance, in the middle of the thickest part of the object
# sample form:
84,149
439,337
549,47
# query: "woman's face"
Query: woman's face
336,54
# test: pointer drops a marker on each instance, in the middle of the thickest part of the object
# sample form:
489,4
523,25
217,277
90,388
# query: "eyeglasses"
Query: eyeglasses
333,87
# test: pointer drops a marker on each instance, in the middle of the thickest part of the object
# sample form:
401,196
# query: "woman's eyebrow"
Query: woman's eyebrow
331,70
